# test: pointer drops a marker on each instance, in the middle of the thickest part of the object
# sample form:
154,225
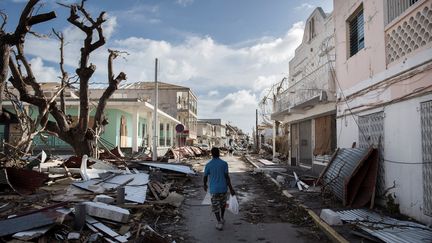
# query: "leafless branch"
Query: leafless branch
65,75
112,87
4,18
85,71
38,35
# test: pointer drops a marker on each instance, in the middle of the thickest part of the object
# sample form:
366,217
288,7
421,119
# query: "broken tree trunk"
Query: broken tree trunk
80,136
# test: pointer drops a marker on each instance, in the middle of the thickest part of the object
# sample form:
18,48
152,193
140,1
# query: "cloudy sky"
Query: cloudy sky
228,51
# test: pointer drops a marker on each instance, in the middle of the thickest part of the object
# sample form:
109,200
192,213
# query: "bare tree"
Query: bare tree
80,136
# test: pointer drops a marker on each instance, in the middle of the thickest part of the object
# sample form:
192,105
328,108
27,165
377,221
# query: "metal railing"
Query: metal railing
396,7
311,85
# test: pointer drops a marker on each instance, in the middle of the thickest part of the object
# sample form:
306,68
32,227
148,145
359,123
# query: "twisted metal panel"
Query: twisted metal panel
426,128
371,132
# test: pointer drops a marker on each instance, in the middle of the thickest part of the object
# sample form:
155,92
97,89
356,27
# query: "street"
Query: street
264,216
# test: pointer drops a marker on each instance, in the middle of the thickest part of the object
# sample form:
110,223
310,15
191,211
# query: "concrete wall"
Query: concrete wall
371,59
402,143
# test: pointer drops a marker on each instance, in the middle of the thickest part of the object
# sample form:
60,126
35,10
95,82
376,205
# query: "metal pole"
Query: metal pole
155,120
274,139
256,132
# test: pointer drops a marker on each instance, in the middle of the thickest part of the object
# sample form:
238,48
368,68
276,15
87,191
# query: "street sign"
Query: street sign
179,128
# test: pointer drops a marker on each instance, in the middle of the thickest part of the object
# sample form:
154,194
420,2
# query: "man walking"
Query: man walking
217,170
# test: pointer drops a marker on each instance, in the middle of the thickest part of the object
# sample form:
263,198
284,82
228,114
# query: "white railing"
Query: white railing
310,86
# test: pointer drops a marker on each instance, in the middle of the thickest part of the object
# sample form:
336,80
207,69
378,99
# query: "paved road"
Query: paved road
200,222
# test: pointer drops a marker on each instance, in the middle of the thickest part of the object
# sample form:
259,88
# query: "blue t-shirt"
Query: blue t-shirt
216,170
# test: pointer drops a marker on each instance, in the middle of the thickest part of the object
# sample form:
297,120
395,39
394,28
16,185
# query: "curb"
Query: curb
328,230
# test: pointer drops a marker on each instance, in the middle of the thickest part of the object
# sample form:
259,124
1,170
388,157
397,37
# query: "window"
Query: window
144,135
168,134
311,29
356,31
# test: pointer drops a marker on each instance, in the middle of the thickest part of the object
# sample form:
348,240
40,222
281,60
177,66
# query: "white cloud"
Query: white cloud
236,102
237,107
43,73
109,26
305,6
264,82
213,93
184,3
237,73
141,13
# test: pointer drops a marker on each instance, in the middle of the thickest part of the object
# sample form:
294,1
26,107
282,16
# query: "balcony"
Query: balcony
317,86
409,30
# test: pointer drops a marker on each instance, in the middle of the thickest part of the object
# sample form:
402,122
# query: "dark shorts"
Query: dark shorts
218,201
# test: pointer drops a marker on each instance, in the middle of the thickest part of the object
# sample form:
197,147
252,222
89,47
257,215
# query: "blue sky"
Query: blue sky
228,51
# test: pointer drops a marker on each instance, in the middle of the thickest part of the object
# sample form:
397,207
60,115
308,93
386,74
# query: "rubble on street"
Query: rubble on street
343,195
115,199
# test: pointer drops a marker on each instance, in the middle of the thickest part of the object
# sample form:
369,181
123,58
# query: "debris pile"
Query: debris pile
90,200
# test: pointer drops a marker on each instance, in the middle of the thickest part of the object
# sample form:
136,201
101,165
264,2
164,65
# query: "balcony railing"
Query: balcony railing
412,31
318,83
397,7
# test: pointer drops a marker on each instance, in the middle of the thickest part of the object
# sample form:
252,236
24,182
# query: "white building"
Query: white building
384,68
307,102
219,126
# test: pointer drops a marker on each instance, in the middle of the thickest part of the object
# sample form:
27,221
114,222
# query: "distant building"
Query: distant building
219,139
384,69
130,122
177,101
304,106
206,133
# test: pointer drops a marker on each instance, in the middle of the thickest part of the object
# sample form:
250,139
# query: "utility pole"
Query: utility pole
256,132
155,116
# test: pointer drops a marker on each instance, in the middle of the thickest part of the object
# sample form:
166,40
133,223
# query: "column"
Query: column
135,129
150,129
274,139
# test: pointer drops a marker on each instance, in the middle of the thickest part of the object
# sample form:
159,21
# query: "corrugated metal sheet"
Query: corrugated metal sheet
342,167
173,167
387,229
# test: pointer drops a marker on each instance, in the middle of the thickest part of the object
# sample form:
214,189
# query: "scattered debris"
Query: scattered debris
266,162
385,228
173,199
106,211
95,183
99,227
330,217
43,217
31,234
172,167
300,184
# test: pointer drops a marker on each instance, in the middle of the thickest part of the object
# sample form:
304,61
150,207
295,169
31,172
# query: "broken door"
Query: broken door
305,135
